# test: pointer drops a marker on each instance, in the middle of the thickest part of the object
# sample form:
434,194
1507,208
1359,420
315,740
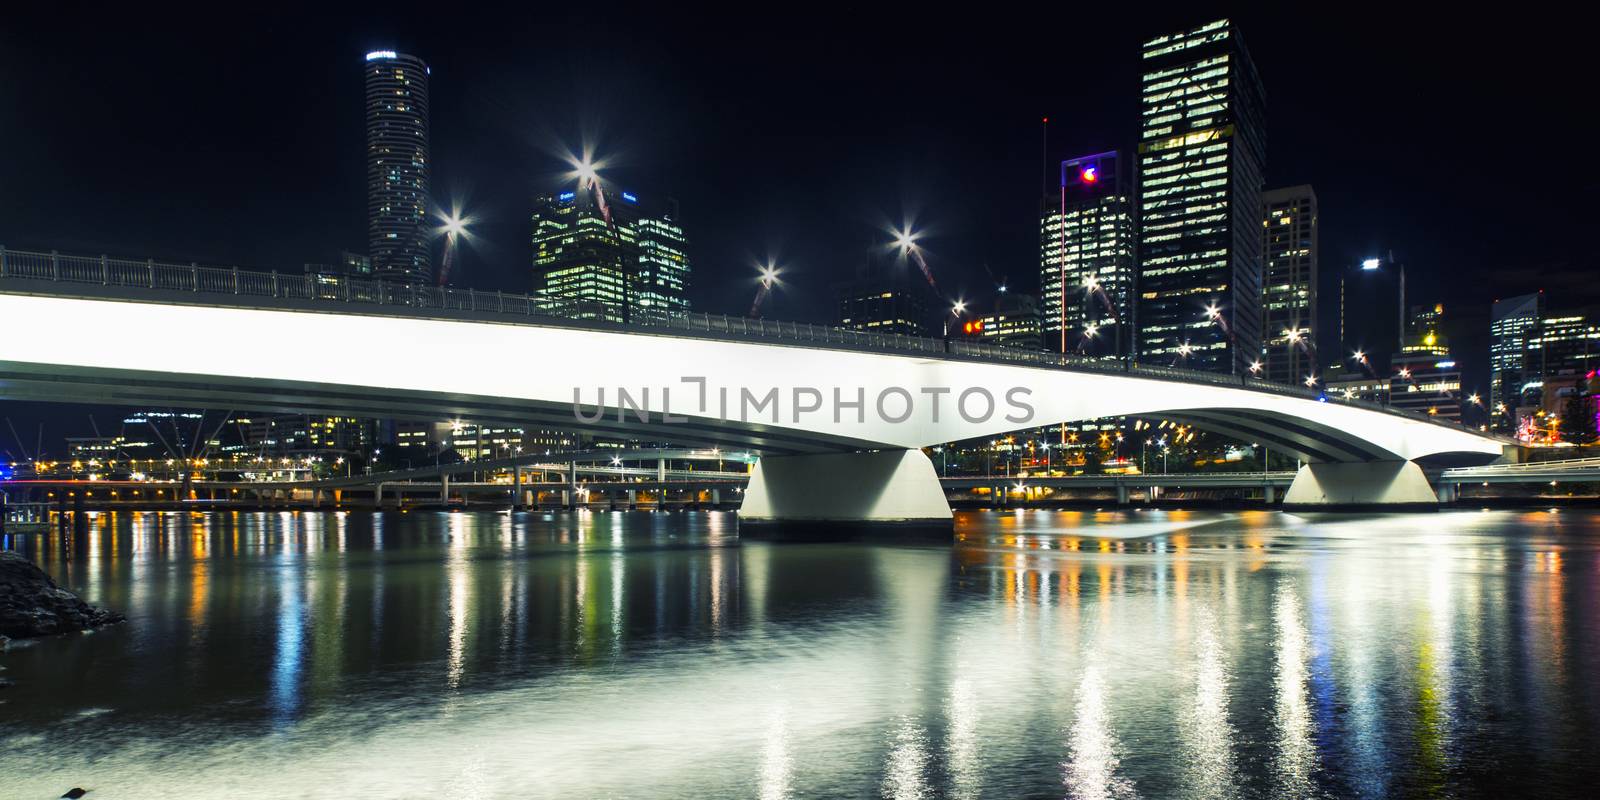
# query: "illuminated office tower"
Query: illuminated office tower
1372,316
1513,323
1086,258
889,296
1425,378
1289,278
613,260
1201,152
398,229
663,262
1014,322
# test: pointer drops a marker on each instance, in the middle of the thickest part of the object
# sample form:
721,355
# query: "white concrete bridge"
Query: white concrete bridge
838,417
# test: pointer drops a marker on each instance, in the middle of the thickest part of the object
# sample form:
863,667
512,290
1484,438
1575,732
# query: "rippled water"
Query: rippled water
1045,654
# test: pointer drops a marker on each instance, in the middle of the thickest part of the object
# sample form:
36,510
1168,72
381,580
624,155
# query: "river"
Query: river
1089,654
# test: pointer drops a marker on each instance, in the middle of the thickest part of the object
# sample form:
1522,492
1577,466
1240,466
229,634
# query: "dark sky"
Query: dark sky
784,130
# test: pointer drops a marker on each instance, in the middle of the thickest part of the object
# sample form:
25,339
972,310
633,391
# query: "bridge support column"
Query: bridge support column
843,495
516,488
1122,493
1448,492
444,487
1269,493
377,497
1383,485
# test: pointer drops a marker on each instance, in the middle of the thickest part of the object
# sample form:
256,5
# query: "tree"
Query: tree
1577,420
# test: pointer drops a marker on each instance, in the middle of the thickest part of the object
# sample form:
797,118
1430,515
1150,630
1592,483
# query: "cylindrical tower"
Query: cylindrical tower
397,167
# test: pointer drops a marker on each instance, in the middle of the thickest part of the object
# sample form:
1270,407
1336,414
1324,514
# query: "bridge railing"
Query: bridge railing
1525,467
342,288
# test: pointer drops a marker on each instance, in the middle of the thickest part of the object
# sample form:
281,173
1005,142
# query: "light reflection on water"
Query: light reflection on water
1079,654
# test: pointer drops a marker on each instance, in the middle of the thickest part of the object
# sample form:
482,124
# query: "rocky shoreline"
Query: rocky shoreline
31,604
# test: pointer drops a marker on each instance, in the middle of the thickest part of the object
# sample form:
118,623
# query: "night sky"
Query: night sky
799,136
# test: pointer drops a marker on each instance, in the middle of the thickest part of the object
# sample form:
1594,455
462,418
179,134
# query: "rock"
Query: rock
74,793
31,604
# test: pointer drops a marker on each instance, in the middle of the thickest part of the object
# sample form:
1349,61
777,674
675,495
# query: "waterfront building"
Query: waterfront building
398,201
110,448
1014,322
1086,258
1512,322
1289,292
1563,345
602,254
890,296
1202,150
306,435
1356,384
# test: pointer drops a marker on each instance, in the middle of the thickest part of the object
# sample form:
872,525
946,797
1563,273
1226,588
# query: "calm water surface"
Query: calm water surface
1045,654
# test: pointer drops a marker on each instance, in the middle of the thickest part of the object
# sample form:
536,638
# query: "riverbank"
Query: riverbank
32,605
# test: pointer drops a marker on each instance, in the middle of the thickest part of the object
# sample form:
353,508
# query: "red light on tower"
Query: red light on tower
1089,175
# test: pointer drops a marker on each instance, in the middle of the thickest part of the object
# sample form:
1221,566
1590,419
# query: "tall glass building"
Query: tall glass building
1289,292
398,229
603,255
1513,324
1202,146
1086,259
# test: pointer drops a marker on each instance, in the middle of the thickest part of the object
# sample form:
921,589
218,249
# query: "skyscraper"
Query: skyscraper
601,254
1202,146
887,297
1425,379
1289,294
1086,235
397,167
1512,324
1372,310
663,261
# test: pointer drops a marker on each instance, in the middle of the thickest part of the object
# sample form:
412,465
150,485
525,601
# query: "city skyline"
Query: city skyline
970,256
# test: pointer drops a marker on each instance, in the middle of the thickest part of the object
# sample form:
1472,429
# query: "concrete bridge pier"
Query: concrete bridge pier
1269,493
845,495
1448,492
1122,493
1381,485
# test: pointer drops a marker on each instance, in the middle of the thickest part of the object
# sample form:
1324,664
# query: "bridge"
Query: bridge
838,417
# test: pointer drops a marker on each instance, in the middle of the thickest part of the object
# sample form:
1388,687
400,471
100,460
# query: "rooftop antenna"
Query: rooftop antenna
1044,156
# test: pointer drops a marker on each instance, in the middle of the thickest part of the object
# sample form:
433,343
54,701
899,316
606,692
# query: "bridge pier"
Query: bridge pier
842,495
1382,485
1122,493
1448,492
1269,493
